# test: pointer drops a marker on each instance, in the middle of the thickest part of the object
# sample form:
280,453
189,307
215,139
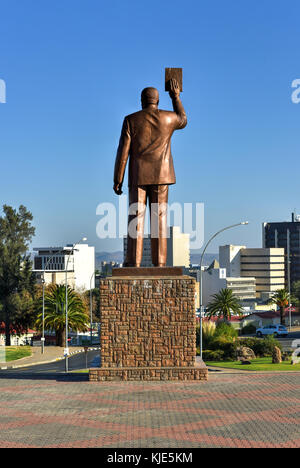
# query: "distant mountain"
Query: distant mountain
118,257
207,259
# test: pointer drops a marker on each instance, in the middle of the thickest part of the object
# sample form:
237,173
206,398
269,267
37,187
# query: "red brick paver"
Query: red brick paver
228,411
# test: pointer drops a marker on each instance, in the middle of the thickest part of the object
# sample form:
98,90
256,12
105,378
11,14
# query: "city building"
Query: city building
266,265
230,259
271,317
54,261
178,249
107,268
215,278
147,258
285,235
16,339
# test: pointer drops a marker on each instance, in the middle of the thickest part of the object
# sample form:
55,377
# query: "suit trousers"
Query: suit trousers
157,196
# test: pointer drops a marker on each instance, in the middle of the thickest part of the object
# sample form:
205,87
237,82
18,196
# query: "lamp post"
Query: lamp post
66,285
201,288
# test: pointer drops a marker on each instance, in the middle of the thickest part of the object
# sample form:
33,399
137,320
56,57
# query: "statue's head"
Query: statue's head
150,96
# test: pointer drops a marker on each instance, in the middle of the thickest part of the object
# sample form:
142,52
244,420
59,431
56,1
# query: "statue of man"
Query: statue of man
146,140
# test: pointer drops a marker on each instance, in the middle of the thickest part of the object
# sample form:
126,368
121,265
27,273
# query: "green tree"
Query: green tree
22,311
224,305
295,295
281,298
55,312
95,303
16,233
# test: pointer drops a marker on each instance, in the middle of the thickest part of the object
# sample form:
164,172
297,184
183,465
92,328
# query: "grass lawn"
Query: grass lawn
12,353
260,364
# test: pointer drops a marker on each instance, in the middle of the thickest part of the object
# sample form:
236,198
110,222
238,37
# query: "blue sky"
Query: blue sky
74,69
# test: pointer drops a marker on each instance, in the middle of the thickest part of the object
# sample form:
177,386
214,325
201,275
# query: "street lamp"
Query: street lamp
201,261
84,239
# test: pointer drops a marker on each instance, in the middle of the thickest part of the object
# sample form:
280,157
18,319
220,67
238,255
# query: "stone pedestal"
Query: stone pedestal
148,329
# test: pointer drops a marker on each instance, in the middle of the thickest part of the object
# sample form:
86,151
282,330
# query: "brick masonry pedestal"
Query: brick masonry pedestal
148,329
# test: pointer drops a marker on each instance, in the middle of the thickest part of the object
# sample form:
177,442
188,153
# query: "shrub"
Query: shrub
223,329
211,332
226,344
249,329
261,347
208,333
209,329
213,355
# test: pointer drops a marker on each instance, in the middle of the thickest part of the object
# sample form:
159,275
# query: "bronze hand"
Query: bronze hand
118,189
174,88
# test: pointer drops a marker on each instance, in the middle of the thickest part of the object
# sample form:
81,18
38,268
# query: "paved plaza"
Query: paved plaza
231,410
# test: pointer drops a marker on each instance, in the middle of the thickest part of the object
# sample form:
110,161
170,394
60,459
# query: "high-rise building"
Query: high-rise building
266,265
178,249
54,261
147,258
285,235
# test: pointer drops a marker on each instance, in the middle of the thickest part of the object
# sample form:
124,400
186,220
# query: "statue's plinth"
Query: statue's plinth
148,327
147,271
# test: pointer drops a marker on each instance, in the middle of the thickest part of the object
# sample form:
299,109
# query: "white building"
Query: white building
230,258
79,263
178,248
16,340
215,278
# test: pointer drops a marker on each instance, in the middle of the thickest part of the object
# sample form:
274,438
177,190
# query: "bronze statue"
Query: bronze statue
146,140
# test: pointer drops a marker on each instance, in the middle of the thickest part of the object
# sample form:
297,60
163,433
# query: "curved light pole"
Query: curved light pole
201,261
66,284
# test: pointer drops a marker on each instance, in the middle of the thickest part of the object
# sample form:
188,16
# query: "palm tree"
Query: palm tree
281,298
55,312
224,305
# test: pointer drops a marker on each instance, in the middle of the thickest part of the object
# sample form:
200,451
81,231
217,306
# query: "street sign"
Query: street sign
66,352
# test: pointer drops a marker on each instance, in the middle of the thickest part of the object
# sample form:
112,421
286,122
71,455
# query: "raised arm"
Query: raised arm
177,104
122,157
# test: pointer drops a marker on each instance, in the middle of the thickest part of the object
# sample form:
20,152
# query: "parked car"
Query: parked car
275,330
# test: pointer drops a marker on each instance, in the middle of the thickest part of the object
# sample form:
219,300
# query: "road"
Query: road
56,369
285,342
288,341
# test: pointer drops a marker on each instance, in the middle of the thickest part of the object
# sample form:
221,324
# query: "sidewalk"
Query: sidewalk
51,354
228,411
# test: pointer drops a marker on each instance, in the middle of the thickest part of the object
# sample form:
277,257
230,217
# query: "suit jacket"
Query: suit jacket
146,140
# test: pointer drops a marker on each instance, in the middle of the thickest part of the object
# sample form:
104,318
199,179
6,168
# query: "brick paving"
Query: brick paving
231,410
